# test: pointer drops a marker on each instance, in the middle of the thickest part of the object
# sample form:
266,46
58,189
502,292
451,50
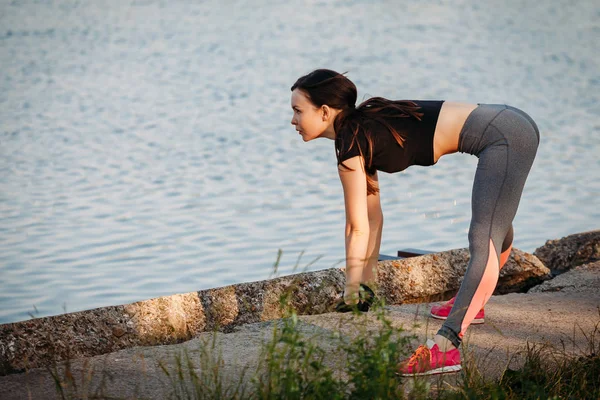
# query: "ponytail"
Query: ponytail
378,109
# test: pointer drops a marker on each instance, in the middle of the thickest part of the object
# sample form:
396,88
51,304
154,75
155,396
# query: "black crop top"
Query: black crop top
388,155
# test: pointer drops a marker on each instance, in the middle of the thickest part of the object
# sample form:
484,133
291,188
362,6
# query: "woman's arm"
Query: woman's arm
354,183
375,228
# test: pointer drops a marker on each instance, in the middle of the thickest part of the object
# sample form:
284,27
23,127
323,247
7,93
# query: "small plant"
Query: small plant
77,383
294,367
373,359
205,380
547,372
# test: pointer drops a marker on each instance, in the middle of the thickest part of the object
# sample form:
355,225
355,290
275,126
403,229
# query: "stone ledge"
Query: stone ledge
173,319
433,276
583,278
562,254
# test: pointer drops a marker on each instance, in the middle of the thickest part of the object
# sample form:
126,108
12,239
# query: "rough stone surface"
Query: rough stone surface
521,272
561,255
43,341
164,320
174,319
579,279
425,278
168,319
561,319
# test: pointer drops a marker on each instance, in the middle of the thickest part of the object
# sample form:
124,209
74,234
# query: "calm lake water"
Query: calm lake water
146,146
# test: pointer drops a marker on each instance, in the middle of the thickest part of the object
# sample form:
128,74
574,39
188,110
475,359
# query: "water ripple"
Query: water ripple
145,159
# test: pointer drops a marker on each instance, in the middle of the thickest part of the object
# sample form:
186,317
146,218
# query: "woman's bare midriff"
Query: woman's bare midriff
450,122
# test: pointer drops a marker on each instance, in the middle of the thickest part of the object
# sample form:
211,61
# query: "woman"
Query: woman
389,136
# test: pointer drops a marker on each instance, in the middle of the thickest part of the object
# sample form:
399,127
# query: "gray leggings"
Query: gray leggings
505,139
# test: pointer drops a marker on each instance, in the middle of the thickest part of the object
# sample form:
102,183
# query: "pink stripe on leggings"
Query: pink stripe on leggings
504,256
484,290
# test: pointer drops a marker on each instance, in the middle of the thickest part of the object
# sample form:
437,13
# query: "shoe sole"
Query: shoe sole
437,371
476,321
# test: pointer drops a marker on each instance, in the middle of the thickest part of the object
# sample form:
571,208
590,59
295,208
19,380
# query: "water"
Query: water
146,146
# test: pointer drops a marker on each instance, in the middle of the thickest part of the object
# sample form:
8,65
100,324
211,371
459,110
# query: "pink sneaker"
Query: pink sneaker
430,361
442,312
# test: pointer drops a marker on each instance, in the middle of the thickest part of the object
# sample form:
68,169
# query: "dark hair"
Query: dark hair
324,86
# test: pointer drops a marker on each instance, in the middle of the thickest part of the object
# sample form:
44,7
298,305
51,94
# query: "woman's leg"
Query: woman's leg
442,311
505,140
499,180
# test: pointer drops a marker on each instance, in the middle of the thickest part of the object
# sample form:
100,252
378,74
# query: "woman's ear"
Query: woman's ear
325,112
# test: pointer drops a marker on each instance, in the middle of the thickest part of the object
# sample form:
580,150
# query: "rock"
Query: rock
425,278
173,319
168,319
577,280
414,279
521,272
118,331
308,293
43,341
514,323
561,255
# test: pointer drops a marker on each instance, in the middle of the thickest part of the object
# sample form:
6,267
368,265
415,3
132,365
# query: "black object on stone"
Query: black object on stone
366,298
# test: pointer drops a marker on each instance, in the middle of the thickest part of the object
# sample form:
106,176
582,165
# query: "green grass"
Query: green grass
546,373
359,365
293,366
202,378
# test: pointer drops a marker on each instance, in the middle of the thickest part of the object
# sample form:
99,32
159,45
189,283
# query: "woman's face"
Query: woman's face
308,119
